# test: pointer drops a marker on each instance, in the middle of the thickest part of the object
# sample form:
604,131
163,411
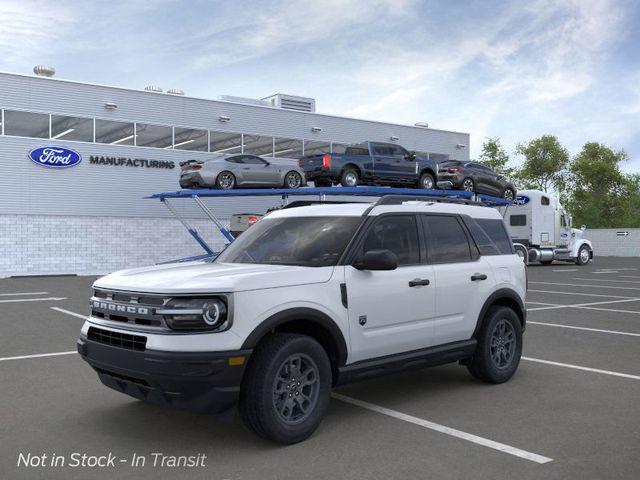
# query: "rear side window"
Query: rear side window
518,220
238,159
398,234
490,236
357,151
446,240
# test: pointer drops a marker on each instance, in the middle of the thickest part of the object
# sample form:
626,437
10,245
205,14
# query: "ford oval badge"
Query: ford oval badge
55,157
521,200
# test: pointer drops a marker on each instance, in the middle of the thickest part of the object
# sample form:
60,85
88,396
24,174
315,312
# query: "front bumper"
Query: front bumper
203,382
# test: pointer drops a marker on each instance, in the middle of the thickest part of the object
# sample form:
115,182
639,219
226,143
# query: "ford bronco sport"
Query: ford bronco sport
310,298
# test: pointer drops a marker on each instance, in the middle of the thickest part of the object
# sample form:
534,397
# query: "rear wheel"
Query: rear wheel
285,391
508,194
349,178
499,347
293,180
584,255
225,180
468,185
427,181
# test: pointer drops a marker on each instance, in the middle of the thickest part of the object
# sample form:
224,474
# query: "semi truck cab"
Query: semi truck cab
542,230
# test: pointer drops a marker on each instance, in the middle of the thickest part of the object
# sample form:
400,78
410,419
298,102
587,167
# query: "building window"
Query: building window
338,147
71,128
190,139
257,145
438,157
287,148
26,124
115,133
225,142
316,148
157,136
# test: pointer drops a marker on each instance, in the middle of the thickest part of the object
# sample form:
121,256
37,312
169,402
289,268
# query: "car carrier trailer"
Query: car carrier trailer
321,193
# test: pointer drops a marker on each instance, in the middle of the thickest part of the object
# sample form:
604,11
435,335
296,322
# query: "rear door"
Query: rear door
463,279
383,160
391,311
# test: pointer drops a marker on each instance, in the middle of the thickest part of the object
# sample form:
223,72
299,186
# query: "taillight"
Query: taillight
326,161
298,162
455,170
252,219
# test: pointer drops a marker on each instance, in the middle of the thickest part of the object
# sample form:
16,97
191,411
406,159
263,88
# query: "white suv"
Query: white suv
309,298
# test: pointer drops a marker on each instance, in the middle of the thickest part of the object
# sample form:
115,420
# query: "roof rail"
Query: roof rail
399,199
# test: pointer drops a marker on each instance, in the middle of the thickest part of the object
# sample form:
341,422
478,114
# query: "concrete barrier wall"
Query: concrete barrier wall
614,242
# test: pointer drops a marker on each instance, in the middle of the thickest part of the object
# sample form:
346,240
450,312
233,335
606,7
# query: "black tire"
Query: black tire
292,180
509,194
427,182
347,177
225,180
468,185
583,258
546,262
258,397
483,364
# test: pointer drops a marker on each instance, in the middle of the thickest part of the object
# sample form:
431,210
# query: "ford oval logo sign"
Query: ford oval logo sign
521,200
55,157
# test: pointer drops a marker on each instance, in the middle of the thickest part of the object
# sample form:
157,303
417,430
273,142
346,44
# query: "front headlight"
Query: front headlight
209,314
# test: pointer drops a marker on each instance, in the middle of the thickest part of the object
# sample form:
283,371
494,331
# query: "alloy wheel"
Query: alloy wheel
508,194
427,182
296,388
226,181
584,255
467,185
503,344
293,180
351,179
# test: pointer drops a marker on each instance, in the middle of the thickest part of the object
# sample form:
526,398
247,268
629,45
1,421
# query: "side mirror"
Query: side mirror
377,260
410,156
583,228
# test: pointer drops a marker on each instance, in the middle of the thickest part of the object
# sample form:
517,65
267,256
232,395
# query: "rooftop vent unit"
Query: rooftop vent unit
153,88
175,91
43,71
291,102
244,100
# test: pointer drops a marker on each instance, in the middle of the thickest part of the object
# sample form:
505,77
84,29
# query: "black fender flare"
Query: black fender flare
502,294
300,313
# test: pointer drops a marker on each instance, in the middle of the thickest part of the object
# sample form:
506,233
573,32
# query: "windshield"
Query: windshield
303,241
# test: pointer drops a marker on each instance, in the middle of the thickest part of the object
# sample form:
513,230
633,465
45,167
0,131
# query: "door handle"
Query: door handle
478,276
418,282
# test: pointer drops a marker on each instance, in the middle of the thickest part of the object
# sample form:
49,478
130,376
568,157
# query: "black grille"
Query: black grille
117,339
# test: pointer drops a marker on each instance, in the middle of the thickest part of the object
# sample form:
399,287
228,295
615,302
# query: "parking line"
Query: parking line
582,294
588,305
607,280
607,309
573,327
538,303
588,286
566,270
16,300
485,442
73,314
39,355
579,367
629,276
23,293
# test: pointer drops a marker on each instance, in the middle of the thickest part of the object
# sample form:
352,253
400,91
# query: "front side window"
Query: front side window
398,234
545,201
446,240
253,160
301,241
26,124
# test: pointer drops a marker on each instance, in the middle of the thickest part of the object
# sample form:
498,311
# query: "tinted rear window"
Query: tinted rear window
446,240
490,236
357,151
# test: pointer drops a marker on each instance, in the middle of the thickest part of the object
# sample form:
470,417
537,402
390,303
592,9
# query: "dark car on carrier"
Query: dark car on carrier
371,163
475,177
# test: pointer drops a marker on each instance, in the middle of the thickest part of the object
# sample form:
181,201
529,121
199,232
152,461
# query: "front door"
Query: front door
391,311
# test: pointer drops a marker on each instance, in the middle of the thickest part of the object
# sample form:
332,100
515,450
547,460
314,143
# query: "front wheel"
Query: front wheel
584,255
286,389
426,182
293,180
499,347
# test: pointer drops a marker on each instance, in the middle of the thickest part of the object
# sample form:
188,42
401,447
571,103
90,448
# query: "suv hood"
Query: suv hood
204,277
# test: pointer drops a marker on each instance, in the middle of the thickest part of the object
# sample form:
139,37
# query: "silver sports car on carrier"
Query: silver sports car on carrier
241,170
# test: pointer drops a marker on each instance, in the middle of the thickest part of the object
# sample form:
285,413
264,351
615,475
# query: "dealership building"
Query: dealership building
91,217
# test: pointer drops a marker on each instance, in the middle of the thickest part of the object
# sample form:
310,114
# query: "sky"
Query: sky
514,70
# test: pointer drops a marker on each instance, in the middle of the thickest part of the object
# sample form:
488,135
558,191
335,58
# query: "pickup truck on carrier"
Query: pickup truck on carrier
371,163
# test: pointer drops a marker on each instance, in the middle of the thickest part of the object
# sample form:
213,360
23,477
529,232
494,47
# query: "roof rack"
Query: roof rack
387,196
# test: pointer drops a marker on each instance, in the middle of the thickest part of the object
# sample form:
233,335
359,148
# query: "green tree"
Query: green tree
600,195
545,164
494,156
